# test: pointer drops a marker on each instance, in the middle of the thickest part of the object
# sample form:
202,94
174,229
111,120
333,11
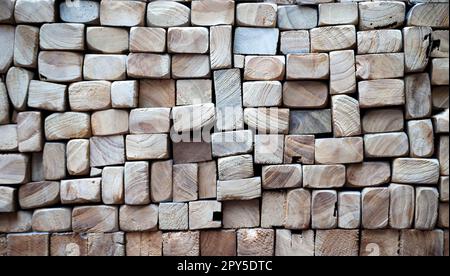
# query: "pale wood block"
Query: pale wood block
17,222
205,214
26,46
190,66
213,12
173,216
138,218
324,209
17,82
307,66
4,104
299,149
147,146
185,182
235,167
310,122
188,40
333,38
440,122
14,169
269,149
255,41
305,94
264,68
379,41
273,209
415,171
105,67
113,185
7,16
95,219
137,183
78,162
439,71
368,174
90,95
440,39
109,122
157,93
346,116
95,172
339,150
324,176
243,189
59,66
427,208
342,72
193,117
418,96
124,94
383,121
7,34
81,191
290,244
220,41
282,176
296,17
106,244
443,154
218,243
29,244
256,14
30,11
267,120
241,214
379,243
262,94
190,92
144,244
232,143
68,244
52,220
141,66
382,92
54,161
386,145
443,188
87,12
381,15
433,15
207,180
421,243
349,210
337,243
168,14
9,140
62,36
147,40
375,208
402,201
161,181
47,96
106,151
421,138
239,61
295,42
417,42
7,199
122,13
440,95
39,194
181,244
191,152
443,215
338,13
255,242
107,40
380,66
298,209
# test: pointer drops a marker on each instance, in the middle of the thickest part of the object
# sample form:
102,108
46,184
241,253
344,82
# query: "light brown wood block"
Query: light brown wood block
68,244
323,176
428,14
295,42
298,209
59,66
207,180
54,161
379,243
81,191
174,216
181,244
305,94
273,209
69,125
47,96
191,152
383,92
90,95
138,218
147,146
113,185
157,93
415,171
256,14
29,131
262,94
267,120
235,167
147,40
368,174
269,149
337,243
244,189
421,243
7,16
161,181
39,194
7,199
232,143
381,15
440,40
26,46
7,34
137,183
188,40
29,244
379,41
401,210
109,122
421,138
78,157
144,244
383,121
168,14
427,208
342,72
418,96
440,97
190,66
299,149
264,68
443,189
349,210
107,40
443,154
18,222
213,12
106,151
52,220
140,66
124,94
185,182
385,145
14,169
290,244
241,214
104,67
17,83
346,116
333,38
440,122
339,150
439,71
191,92
307,66
255,242
40,11
324,209
417,42
193,117
294,17
375,208
95,219
218,243
282,176
380,66
9,140
106,244
122,13
338,14
62,36
205,214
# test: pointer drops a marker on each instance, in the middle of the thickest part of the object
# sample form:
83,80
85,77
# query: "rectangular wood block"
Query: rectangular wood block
106,151
39,194
375,208
95,219
241,214
310,122
81,191
324,176
185,182
380,66
137,183
30,244
59,66
218,243
113,185
339,150
349,210
324,209
174,216
147,146
255,242
415,171
307,66
244,189
144,244
337,243
290,244
181,243
105,67
379,41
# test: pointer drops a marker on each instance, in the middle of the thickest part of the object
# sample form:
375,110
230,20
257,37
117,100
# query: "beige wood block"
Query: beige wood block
181,244
385,145
207,180
124,94
107,40
440,95
168,14
78,155
157,93
349,210
401,210
69,125
241,214
324,209
440,39
161,181
7,16
383,121
256,14
305,94
375,208
62,36
193,117
433,15
273,209
122,13
311,121
267,120
147,146
232,143
346,116
324,176
220,47
205,214
269,149
342,72
427,208
144,244
333,38
54,161
59,66
239,61
90,95
188,40
137,183
68,244
109,122
7,199
29,244
14,169
95,219
174,216
368,174
297,17
105,67
213,12
381,15
439,71
147,40
421,243
380,66
138,218
87,12
39,194
421,138
299,149
295,42
307,66
235,167
47,96
218,243
440,122
244,189
106,151
443,215
442,154
282,176
383,92
106,244
190,92
415,171
190,66
4,104
255,242
17,83
7,34
264,68
379,41
417,43
443,189
26,46
29,131
191,152
298,209
9,140
185,182
52,220
290,244
418,96
339,150
141,65
81,191
18,222
338,13
29,11
262,94
113,185
379,243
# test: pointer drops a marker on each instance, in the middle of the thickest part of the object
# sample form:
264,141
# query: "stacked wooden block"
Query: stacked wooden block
219,127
